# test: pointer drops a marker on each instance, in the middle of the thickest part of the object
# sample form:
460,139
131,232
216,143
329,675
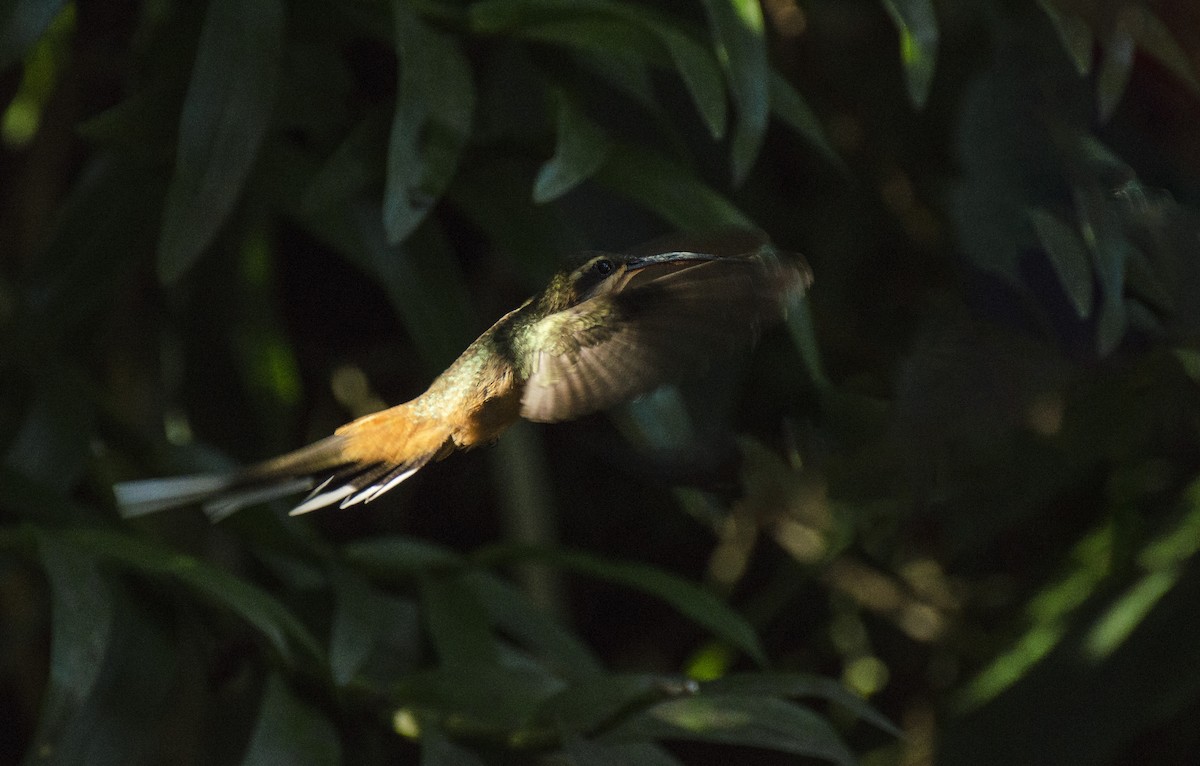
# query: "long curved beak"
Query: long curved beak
641,262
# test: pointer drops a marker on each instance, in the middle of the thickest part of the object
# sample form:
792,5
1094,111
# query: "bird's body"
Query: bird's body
602,333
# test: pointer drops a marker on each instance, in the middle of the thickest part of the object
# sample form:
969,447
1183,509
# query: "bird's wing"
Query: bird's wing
658,325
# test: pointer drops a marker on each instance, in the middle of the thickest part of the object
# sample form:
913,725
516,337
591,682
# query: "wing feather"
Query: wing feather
660,324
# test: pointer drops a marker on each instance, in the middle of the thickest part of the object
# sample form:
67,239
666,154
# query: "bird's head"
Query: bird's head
601,273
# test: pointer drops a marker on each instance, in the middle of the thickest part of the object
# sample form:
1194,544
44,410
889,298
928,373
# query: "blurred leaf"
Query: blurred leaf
356,164
457,621
693,602
583,708
737,30
585,753
22,22
271,618
511,611
789,106
432,122
488,699
1075,35
917,24
581,150
438,750
431,298
1156,39
668,190
1114,71
52,443
120,721
290,731
81,626
355,627
604,27
101,237
737,720
1069,256
225,117
1112,251
403,556
798,685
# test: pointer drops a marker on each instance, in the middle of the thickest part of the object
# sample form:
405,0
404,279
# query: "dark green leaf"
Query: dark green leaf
356,164
692,601
735,720
457,621
422,281
431,125
120,720
738,35
789,106
355,623
585,753
581,150
668,190
585,707
81,626
511,611
22,22
494,698
225,117
1114,70
917,25
290,731
797,685
1075,35
1069,256
1156,39
1111,250
438,750
403,556
278,625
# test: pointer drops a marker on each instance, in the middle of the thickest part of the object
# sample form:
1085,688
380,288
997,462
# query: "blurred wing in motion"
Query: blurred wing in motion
654,325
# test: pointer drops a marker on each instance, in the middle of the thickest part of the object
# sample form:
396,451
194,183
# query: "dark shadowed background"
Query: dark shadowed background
948,513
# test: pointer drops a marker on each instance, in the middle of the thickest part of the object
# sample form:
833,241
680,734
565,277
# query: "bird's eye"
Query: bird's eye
603,267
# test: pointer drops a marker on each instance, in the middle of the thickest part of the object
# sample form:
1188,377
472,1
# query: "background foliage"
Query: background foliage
958,492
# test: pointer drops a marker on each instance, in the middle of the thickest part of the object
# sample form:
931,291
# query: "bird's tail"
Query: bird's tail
222,494
360,462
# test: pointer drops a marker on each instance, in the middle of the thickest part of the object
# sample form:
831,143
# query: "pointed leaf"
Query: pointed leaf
736,720
81,626
798,685
225,117
1075,34
917,25
583,708
356,164
457,621
431,125
789,106
290,731
512,612
438,750
581,150
278,625
400,555
668,190
737,30
689,599
1115,70
1155,38
22,22
585,753
1069,257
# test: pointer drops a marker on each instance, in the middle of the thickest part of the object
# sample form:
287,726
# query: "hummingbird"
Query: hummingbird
612,328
